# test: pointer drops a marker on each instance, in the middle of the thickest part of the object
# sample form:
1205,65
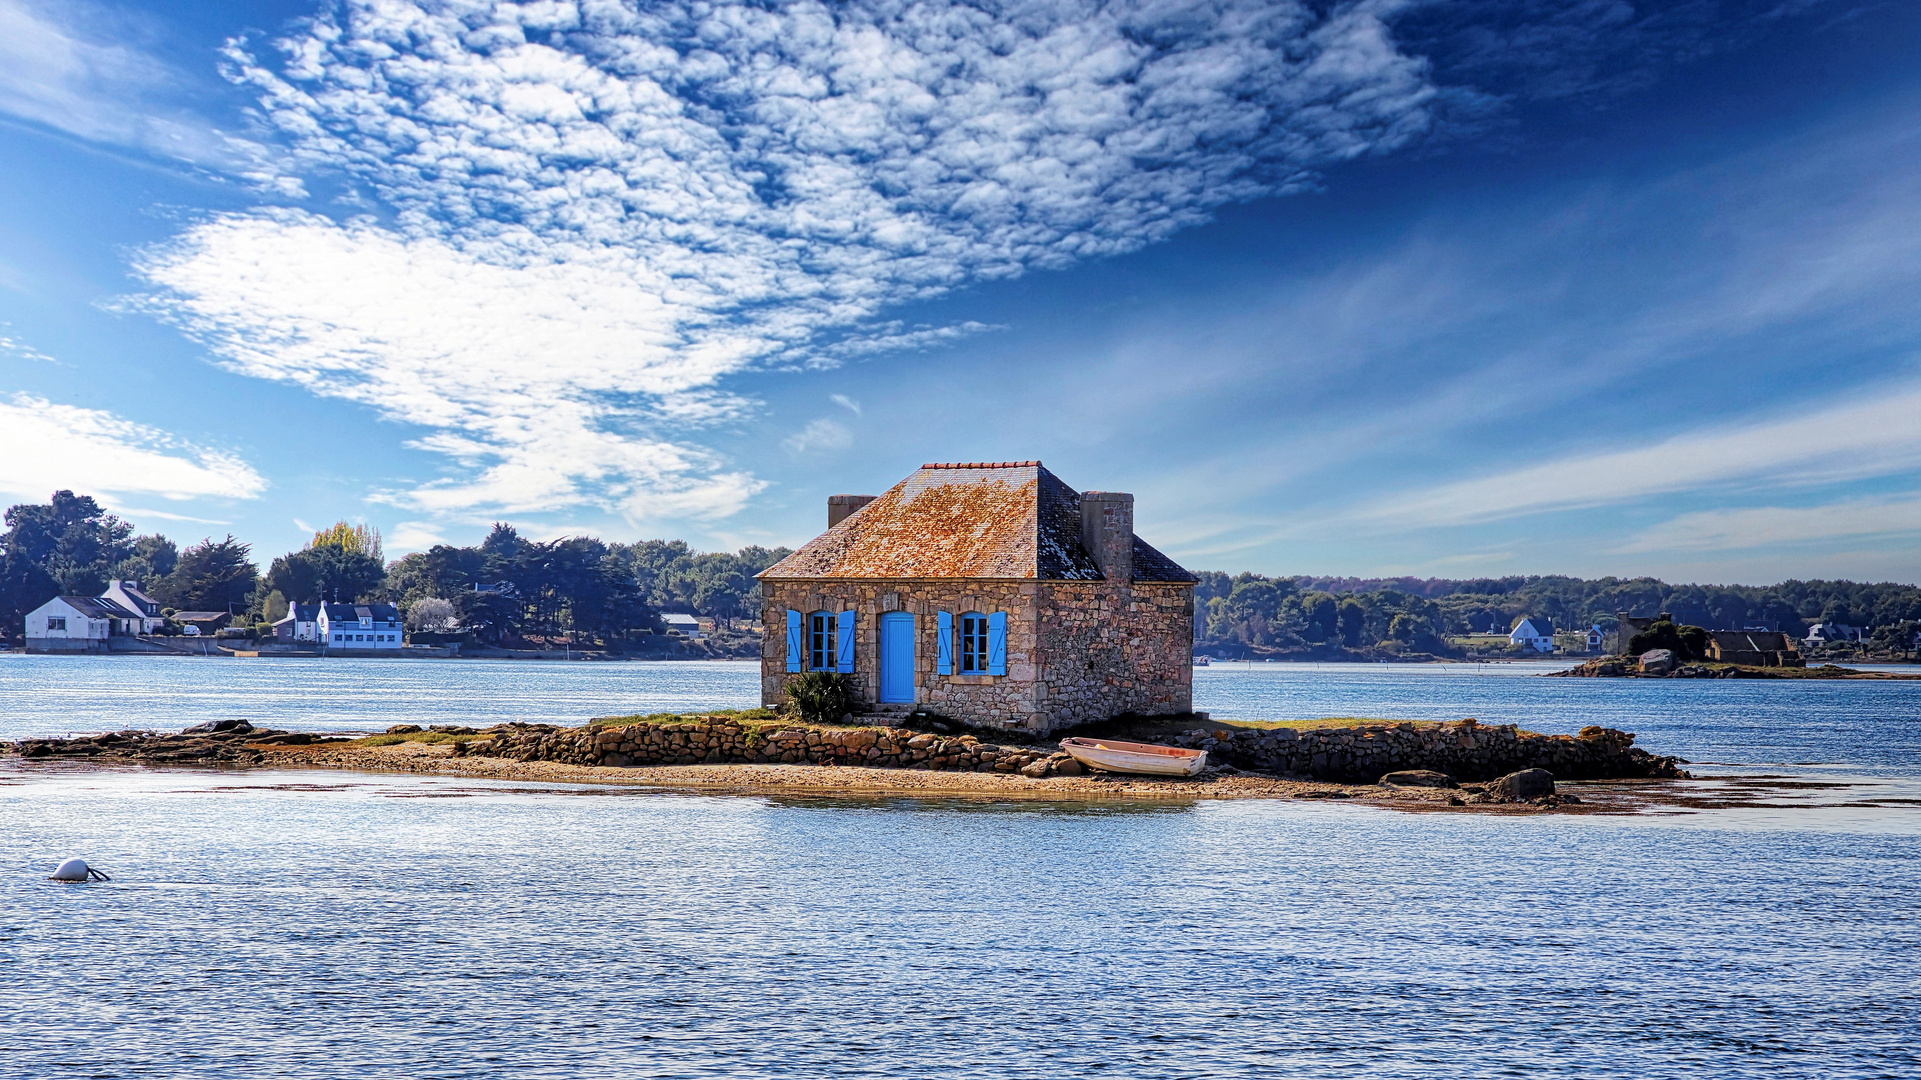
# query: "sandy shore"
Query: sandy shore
1613,796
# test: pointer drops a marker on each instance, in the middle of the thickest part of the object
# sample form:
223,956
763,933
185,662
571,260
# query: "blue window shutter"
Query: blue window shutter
793,640
997,643
844,644
946,654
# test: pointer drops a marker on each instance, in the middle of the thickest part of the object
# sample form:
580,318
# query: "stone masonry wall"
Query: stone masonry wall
1076,651
1465,750
1111,649
717,741
980,700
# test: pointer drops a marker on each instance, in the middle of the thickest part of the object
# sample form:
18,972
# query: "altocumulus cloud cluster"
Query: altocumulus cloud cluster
595,214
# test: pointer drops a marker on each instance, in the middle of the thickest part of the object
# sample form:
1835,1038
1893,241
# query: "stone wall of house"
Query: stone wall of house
982,700
1076,651
1465,750
1108,649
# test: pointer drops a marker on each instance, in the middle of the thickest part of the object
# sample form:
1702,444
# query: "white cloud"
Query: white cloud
1742,528
45,447
55,70
24,351
845,402
1873,436
822,434
411,536
603,213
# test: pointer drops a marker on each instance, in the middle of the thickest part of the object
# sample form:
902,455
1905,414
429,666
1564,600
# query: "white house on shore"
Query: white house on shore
1533,632
78,624
358,626
1824,632
301,623
128,595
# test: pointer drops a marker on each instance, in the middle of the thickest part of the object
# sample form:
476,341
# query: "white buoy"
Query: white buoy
76,870
70,871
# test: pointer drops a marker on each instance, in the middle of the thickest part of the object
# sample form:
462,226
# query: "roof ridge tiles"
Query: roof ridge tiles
981,465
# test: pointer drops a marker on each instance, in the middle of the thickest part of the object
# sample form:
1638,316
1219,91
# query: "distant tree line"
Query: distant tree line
1261,613
586,589
577,587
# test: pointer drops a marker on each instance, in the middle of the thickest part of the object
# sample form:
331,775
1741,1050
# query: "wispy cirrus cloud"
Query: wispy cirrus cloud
1744,528
78,68
45,446
601,215
1866,437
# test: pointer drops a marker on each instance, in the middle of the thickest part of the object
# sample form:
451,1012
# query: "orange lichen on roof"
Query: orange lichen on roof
1010,520
946,531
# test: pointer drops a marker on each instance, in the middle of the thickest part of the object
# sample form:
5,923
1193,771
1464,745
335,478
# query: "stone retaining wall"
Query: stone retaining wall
1465,750
723,742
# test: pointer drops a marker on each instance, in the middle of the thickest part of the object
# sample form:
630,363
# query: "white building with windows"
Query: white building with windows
128,595
358,626
1533,632
78,624
300,623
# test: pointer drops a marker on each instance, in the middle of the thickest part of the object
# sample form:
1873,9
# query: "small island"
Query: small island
1660,648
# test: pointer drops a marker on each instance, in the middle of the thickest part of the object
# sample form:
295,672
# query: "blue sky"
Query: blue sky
1337,288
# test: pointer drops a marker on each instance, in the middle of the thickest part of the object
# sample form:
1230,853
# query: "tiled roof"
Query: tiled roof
357,612
200,616
996,520
98,607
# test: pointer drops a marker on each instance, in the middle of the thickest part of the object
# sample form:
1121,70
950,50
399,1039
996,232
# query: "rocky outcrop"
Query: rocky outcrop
1464,750
222,742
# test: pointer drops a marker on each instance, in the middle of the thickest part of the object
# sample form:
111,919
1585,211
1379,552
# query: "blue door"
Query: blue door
897,657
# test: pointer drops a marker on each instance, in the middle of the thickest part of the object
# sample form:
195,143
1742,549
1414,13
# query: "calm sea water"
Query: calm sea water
314,924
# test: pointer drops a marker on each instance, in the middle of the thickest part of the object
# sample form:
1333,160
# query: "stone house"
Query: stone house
991,593
1754,648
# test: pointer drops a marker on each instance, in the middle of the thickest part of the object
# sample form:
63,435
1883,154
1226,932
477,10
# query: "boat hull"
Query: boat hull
1141,759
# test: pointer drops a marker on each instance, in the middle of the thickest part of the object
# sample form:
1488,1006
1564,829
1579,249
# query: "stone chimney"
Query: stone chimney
839,506
1107,532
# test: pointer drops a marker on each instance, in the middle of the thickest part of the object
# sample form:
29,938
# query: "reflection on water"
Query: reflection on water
275,924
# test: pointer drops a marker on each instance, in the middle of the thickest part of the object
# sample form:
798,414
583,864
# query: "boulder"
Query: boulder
1418,778
403,729
238,727
1521,786
1657,662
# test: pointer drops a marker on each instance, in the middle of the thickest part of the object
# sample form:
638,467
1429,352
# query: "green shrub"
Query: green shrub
1686,642
821,696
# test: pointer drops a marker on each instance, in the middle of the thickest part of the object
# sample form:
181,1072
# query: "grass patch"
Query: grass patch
1317,724
760,717
415,736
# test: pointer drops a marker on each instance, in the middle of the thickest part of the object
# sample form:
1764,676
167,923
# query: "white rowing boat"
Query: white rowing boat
1109,755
